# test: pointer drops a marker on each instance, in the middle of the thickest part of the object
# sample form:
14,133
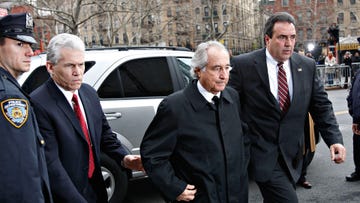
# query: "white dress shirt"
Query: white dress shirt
69,95
206,94
273,69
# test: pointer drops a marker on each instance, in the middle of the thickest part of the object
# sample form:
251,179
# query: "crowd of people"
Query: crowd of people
251,116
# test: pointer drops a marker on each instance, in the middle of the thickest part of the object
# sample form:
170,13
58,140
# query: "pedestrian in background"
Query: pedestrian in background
74,126
23,172
277,89
353,102
330,62
194,149
347,71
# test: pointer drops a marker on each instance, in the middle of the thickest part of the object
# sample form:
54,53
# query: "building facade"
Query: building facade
313,18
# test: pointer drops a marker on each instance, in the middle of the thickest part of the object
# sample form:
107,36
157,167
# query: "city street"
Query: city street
327,178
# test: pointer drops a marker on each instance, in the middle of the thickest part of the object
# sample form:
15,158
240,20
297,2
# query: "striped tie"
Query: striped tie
283,92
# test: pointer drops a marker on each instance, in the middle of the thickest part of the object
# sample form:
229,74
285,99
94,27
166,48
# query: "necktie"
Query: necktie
216,101
83,125
283,90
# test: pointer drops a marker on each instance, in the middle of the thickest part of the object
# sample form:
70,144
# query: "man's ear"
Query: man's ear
197,72
49,67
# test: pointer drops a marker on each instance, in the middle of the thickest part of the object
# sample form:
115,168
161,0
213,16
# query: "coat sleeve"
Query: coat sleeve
156,149
61,185
322,111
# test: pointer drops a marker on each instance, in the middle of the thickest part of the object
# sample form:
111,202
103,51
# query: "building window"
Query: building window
285,3
198,29
340,18
133,37
300,35
178,11
309,33
224,12
125,38
352,2
216,28
354,32
341,33
169,12
170,28
299,17
207,27
206,12
323,31
197,11
323,17
298,2
340,2
133,22
308,15
353,18
215,13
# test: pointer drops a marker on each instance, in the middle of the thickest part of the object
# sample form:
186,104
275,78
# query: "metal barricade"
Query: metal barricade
334,76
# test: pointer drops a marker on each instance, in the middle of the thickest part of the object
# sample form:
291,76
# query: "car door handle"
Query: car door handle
113,115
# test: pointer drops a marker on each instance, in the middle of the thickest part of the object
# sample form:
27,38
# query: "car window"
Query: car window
138,78
36,78
185,68
40,75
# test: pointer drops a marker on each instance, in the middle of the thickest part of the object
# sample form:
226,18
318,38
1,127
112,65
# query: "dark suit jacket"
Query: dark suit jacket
66,147
183,145
271,134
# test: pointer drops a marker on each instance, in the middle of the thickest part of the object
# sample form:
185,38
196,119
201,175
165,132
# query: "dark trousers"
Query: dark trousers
280,188
356,152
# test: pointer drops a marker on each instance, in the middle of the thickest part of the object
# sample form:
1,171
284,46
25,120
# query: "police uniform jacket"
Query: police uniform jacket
23,172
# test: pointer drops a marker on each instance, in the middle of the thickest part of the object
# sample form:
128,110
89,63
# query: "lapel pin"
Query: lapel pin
299,69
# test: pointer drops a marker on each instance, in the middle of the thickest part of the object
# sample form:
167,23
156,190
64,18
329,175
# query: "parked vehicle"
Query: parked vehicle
131,82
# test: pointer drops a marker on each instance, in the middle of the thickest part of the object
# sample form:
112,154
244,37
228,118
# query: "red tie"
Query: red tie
80,116
283,91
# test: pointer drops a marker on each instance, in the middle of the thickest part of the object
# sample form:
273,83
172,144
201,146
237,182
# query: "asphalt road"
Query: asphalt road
327,178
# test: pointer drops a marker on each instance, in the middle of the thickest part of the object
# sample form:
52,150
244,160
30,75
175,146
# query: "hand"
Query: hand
355,129
188,194
133,162
338,153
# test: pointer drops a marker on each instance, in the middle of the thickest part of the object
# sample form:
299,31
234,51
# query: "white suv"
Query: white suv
131,82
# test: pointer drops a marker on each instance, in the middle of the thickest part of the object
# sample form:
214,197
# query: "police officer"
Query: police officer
23,171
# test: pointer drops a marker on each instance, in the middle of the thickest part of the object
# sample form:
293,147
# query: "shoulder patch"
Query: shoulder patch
15,111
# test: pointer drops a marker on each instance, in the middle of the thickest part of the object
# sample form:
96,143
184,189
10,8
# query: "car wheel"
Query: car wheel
116,179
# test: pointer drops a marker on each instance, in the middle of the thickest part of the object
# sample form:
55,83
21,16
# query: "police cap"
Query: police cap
18,26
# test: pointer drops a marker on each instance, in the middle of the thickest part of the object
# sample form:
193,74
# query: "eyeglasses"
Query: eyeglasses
218,69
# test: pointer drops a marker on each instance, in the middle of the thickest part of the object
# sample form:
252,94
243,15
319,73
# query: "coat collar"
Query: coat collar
63,104
296,69
197,101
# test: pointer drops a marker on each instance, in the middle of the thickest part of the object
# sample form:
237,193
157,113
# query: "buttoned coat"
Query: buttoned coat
67,152
184,145
23,172
272,134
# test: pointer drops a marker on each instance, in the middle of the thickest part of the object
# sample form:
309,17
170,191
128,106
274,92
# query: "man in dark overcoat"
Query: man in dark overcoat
194,149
